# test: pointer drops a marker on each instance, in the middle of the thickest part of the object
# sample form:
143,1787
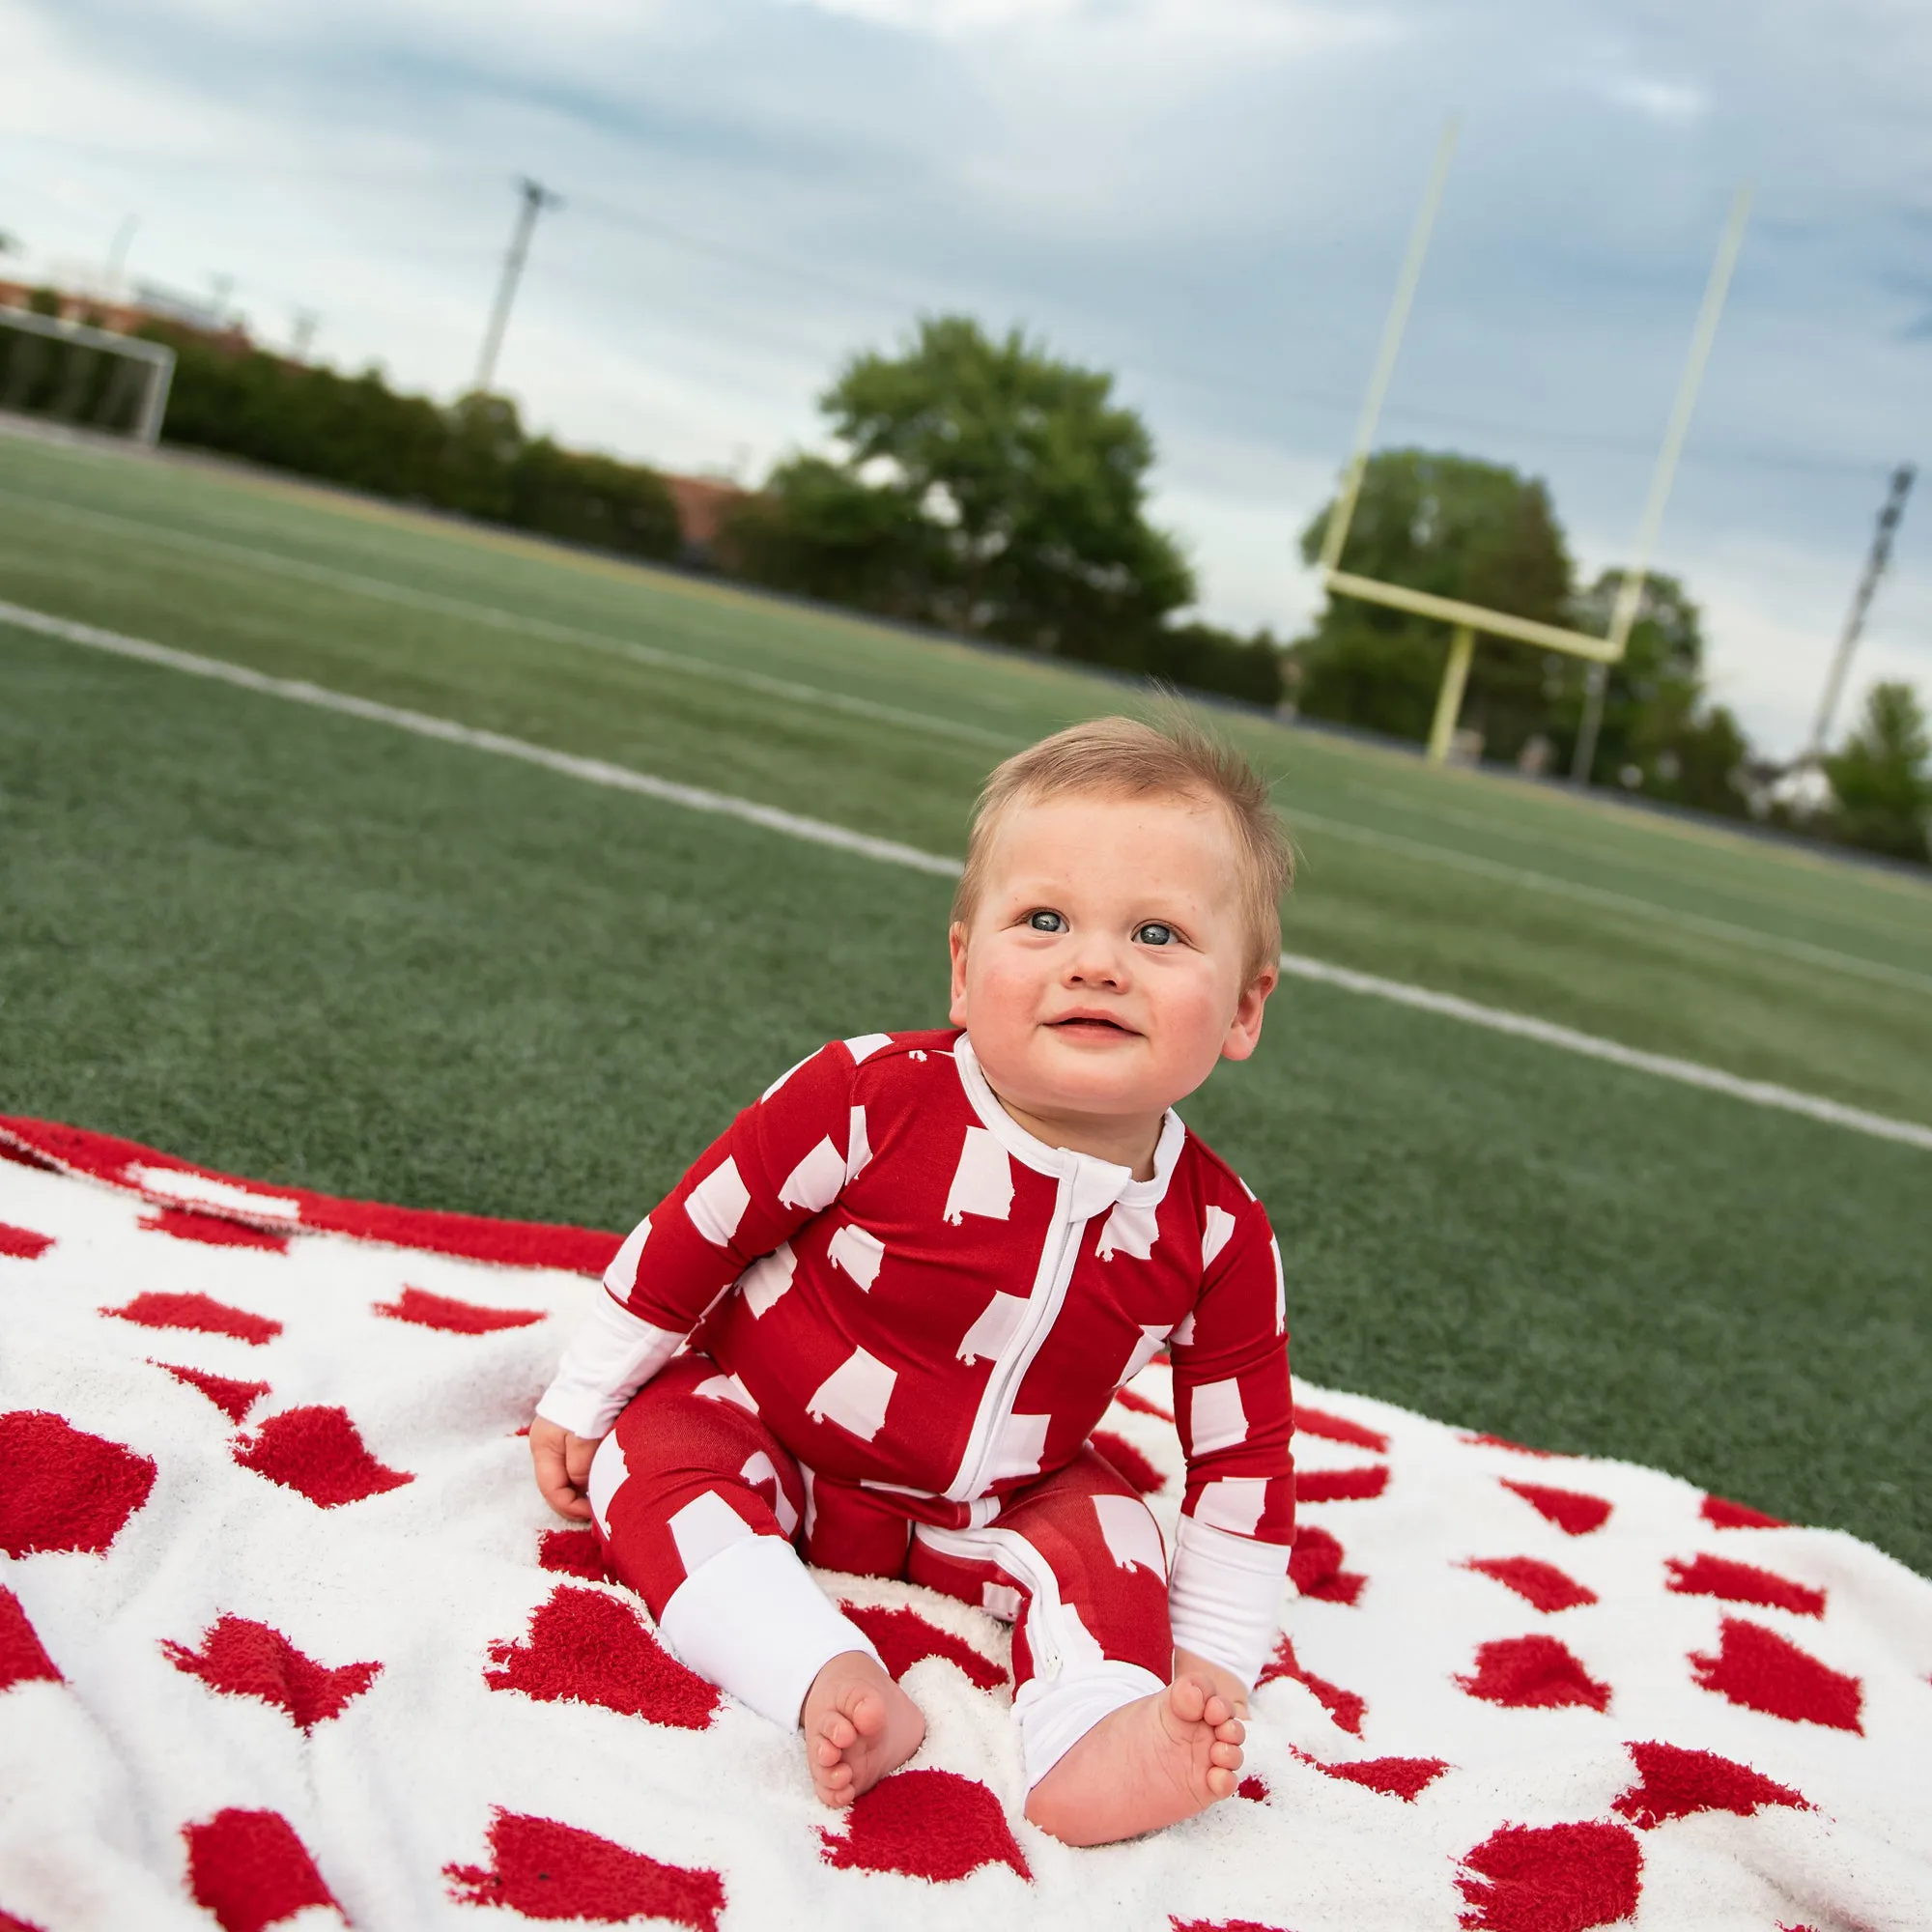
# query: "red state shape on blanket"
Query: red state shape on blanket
233,1397
1533,1673
1340,1486
1315,1567
547,1871
1129,1461
587,1648
1141,1405
64,1488
250,1659
1345,1706
1403,1777
933,1824
214,1231
1535,1583
1175,1924
1254,1789
1559,1878
1724,1515
424,1310
1338,1429
201,1312
251,1871
22,1244
1485,1441
1677,1783
1742,1583
903,1638
573,1552
23,1659
9,1923
1761,1670
1572,1512
320,1453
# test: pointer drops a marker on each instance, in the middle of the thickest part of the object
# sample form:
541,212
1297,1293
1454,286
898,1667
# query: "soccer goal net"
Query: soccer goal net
92,377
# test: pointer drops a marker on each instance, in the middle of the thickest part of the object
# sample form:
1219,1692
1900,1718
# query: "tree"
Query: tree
984,486
1883,779
1459,527
1660,732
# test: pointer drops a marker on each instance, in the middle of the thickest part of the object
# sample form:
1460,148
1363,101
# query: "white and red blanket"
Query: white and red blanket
287,1639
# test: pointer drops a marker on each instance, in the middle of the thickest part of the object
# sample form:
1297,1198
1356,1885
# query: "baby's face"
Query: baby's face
1106,968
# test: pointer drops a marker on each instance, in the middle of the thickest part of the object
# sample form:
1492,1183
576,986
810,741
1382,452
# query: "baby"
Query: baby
876,1323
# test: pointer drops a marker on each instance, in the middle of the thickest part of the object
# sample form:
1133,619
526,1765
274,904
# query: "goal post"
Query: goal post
52,366
1469,621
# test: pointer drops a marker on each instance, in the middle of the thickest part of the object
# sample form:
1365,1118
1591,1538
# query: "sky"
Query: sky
1208,198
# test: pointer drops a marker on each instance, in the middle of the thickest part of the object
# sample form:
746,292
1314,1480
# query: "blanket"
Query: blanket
288,1640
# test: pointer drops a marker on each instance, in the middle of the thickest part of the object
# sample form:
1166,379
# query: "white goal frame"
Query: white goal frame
156,359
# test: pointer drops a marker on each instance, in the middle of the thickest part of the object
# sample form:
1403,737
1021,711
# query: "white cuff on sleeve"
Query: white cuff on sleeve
1224,1597
611,1358
752,1621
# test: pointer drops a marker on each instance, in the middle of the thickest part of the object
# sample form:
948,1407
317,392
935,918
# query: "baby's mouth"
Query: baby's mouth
1084,1023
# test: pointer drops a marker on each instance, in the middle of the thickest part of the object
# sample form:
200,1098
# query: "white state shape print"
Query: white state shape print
1132,1534
704,1526
785,1076
1234,1504
1022,1443
1280,1290
855,1395
1182,1332
608,1473
1216,1418
760,1468
861,1045
1220,1225
982,1183
858,1148
717,1202
1144,1351
813,1184
1002,1601
858,1252
767,1278
727,1388
998,1324
621,1276
1129,1231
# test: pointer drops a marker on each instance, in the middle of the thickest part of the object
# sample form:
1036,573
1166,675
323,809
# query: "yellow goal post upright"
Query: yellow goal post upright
1468,621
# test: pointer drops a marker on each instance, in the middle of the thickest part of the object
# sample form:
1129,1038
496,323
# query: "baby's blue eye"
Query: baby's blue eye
1153,933
1047,922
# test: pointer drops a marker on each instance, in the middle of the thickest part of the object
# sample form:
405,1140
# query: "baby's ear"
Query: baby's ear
1244,1031
955,939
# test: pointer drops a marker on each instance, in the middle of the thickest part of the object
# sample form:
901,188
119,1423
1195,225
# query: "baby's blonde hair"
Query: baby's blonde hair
1122,757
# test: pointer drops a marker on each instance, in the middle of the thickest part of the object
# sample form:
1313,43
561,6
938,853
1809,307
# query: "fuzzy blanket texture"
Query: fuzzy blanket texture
288,1640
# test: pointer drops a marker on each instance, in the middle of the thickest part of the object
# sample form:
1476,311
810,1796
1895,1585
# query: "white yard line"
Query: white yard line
493,617
818,832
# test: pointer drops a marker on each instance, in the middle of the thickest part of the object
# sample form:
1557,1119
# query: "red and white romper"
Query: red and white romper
876,1323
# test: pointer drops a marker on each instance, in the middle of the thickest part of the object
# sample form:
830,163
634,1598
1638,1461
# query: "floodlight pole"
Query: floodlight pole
1855,619
535,199
1630,594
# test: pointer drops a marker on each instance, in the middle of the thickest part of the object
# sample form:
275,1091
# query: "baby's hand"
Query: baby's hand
562,1467
1216,1679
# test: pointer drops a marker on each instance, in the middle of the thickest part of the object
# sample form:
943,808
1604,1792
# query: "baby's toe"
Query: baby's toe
1221,1782
1232,1732
1227,1756
1187,1700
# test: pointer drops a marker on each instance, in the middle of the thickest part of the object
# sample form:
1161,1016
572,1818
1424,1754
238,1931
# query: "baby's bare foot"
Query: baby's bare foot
858,1727
1149,1764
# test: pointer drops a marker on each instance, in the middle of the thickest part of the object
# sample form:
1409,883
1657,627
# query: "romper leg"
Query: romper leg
1077,1562
696,1502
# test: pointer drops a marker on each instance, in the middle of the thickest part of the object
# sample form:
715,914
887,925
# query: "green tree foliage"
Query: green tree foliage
991,489
1459,527
1882,781
473,457
1660,732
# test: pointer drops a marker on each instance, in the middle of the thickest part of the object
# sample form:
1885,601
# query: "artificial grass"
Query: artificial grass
308,948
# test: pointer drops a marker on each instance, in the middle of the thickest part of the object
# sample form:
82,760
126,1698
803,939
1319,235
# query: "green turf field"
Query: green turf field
313,949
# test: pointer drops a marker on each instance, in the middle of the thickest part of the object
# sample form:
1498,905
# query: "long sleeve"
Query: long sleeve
782,1160
1235,1416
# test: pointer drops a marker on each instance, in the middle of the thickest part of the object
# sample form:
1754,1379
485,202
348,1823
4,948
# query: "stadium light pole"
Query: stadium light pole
535,198
1855,619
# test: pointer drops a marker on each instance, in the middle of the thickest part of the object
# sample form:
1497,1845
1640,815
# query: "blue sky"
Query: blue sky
1208,196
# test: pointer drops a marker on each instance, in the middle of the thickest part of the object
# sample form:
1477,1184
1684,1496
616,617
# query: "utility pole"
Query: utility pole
1880,555
535,199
